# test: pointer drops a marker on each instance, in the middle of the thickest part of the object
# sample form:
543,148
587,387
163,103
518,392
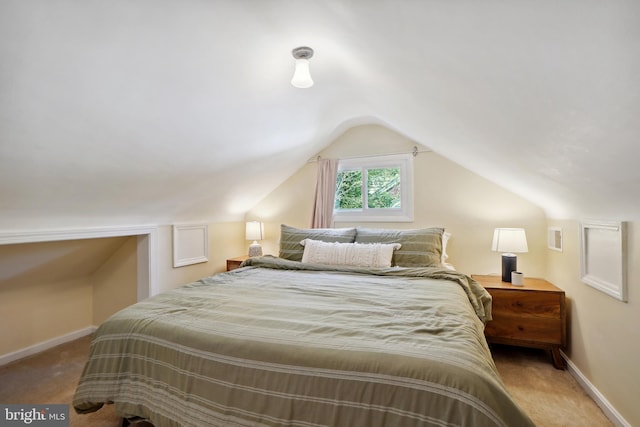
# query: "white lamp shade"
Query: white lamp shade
254,230
302,76
509,240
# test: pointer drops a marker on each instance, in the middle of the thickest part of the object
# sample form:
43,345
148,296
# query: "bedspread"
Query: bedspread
281,343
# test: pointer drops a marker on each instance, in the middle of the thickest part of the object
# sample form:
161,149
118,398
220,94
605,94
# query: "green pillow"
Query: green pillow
290,238
420,247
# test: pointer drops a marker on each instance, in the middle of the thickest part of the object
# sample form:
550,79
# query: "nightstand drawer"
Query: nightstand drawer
526,304
541,330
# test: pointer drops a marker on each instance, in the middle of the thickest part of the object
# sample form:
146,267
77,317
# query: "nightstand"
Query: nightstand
233,263
532,315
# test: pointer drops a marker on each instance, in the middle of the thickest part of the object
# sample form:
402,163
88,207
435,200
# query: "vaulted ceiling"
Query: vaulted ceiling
156,111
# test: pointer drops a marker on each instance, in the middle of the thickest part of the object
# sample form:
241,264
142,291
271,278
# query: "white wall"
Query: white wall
226,240
114,284
46,289
445,194
603,333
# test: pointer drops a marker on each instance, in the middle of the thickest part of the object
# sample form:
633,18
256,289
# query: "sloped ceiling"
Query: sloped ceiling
157,111
32,264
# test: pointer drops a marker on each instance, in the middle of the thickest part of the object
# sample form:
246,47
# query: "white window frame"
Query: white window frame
404,214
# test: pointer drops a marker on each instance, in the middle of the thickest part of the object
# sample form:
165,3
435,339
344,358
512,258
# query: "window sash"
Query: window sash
403,162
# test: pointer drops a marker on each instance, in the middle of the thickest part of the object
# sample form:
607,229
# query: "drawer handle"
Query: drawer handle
520,328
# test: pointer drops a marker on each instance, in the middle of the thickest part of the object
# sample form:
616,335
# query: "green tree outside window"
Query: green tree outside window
382,189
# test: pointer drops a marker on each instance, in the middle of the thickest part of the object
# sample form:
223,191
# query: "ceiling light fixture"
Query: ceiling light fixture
302,77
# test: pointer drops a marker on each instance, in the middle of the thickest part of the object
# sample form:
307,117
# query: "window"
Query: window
374,189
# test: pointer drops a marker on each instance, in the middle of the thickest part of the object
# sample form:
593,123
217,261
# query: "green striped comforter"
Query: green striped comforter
281,343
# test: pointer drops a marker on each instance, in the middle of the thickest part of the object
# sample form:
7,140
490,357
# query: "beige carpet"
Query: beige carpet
551,397
51,377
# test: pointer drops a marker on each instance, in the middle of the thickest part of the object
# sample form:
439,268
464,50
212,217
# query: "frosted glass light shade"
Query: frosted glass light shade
509,240
302,77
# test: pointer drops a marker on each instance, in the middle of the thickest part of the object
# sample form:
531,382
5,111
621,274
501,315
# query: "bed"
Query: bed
281,342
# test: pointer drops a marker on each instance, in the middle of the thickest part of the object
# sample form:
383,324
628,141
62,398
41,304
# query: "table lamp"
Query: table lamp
509,241
254,231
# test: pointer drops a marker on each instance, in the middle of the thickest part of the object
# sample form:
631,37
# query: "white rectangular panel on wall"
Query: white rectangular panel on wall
602,257
554,238
190,244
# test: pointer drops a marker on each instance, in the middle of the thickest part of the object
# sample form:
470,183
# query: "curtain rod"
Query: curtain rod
414,152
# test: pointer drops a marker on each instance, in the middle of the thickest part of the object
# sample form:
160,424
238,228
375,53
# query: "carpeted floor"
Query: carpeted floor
51,377
551,397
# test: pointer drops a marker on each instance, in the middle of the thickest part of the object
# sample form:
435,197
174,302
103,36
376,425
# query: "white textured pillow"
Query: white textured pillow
356,254
445,239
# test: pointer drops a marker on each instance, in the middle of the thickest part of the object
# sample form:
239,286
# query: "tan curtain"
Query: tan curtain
322,216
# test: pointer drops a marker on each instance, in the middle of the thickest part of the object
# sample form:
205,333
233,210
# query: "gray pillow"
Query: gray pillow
420,247
290,238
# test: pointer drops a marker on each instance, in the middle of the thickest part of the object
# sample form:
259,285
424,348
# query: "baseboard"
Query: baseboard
45,345
608,409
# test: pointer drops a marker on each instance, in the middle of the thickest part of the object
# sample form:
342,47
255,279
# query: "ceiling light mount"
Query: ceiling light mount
302,52
302,76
